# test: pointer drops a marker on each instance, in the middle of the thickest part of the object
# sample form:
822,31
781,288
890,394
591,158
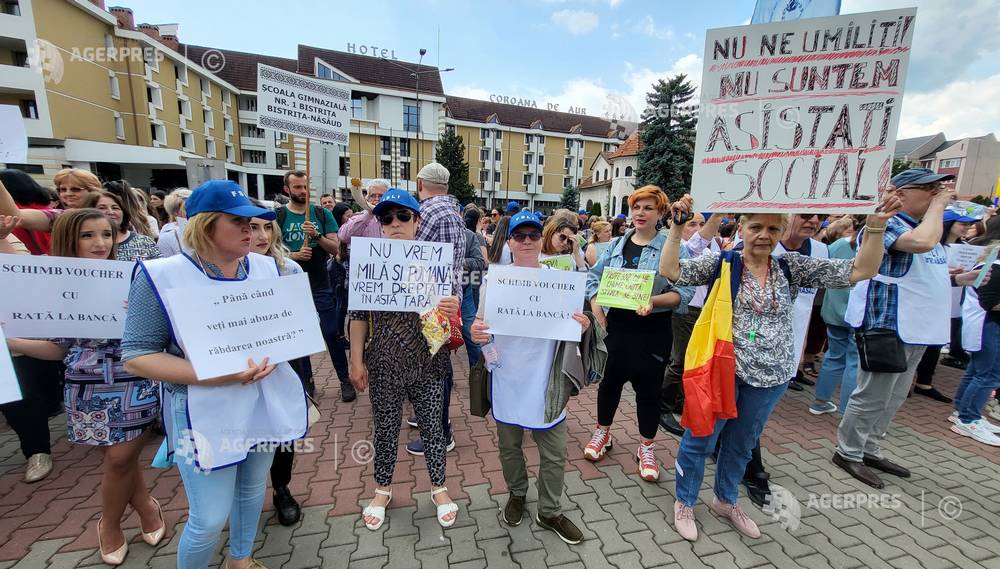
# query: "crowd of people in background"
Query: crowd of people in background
817,302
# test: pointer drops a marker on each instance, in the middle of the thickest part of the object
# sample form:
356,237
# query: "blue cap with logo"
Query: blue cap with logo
513,207
919,177
524,217
964,212
396,197
224,196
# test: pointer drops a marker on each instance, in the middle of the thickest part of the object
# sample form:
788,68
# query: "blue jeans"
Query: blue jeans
738,438
235,494
982,376
840,366
470,305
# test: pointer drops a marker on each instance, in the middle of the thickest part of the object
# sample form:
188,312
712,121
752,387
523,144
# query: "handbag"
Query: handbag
455,341
880,350
480,379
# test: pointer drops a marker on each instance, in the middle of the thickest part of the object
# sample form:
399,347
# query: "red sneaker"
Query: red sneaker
649,469
599,444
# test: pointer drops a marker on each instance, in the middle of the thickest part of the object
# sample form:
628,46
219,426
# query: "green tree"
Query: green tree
982,200
570,199
595,209
899,165
451,154
667,133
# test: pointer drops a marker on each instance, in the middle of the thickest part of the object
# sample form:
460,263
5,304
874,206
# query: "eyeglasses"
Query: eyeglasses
403,215
521,236
808,216
63,189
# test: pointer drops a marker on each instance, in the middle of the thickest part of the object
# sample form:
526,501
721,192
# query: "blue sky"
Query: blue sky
598,54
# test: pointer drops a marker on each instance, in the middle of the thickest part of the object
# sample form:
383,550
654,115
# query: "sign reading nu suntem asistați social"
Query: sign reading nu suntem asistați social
287,102
801,116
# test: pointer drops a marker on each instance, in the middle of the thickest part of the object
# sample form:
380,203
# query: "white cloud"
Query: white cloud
648,26
576,21
614,3
962,108
470,92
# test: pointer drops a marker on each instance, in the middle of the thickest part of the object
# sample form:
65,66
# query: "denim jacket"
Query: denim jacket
649,260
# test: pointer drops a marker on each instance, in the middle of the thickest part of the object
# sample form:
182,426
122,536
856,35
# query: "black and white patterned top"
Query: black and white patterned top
138,247
764,341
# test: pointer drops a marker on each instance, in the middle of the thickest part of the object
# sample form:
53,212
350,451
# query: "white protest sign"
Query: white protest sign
312,108
964,256
801,116
13,137
393,275
224,324
9,388
63,297
534,303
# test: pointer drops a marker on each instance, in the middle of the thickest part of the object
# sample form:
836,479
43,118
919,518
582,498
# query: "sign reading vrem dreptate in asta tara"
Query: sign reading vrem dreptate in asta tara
287,102
801,116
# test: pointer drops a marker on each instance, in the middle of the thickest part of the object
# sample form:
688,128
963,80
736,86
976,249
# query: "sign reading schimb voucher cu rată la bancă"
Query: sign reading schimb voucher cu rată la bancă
802,115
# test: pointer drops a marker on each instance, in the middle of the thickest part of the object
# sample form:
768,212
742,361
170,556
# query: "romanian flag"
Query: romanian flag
710,359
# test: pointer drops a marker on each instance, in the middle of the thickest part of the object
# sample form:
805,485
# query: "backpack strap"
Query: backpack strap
281,213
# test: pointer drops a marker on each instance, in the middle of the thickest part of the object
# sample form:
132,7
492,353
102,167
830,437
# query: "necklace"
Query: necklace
758,303
205,270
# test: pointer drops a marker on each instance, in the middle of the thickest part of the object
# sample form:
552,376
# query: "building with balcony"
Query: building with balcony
975,161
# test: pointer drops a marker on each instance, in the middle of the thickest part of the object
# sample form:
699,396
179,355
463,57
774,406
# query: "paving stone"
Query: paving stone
432,535
305,551
402,554
557,551
648,550
488,524
337,556
605,493
533,558
476,564
497,553
399,522
480,498
464,547
625,520
611,540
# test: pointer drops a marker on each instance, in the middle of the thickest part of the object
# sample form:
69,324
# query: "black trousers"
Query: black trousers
672,395
41,391
928,363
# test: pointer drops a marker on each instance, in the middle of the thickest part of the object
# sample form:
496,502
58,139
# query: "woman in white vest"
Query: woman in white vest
218,428
981,337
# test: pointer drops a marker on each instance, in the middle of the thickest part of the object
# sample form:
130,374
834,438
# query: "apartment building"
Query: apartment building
975,161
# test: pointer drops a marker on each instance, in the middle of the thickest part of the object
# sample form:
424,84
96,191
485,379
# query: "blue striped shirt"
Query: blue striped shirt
882,301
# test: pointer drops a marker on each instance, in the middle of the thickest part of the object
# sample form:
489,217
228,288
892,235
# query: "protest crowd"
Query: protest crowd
731,312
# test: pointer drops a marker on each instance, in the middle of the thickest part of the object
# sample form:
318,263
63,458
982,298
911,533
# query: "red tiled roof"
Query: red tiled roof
475,110
240,68
373,70
589,182
630,147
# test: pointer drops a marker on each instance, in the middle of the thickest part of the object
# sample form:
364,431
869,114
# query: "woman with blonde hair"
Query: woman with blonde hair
73,185
600,232
169,239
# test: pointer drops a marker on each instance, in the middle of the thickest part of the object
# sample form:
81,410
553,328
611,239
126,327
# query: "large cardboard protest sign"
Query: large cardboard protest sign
801,116
9,388
222,325
311,108
63,297
534,303
393,275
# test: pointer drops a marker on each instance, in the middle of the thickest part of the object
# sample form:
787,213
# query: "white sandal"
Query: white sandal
445,509
376,511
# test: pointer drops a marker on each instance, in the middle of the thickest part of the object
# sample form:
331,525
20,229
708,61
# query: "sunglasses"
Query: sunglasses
808,216
403,215
564,238
74,190
521,236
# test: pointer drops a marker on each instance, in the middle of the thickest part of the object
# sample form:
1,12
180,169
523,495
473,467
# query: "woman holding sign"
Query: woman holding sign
560,246
392,353
747,318
639,337
106,405
224,466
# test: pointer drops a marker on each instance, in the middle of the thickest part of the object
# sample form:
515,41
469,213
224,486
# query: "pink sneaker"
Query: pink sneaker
598,445
684,521
740,520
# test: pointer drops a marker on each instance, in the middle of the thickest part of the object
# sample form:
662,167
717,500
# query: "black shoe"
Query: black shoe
758,489
933,394
799,378
958,363
565,529
347,393
795,386
287,508
859,471
886,465
513,513
670,424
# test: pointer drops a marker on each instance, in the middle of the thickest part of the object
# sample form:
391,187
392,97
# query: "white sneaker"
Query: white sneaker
977,432
953,417
988,426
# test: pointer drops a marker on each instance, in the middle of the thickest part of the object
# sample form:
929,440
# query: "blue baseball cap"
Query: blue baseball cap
582,212
524,217
918,177
513,207
396,197
224,196
620,216
964,212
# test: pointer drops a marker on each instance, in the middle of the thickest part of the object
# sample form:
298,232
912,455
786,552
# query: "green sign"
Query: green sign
629,289
561,262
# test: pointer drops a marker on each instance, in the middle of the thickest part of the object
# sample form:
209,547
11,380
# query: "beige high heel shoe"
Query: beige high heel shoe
155,537
116,557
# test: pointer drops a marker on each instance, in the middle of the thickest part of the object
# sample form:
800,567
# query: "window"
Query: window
119,128
605,173
115,88
404,148
227,125
181,73
206,88
628,171
498,134
184,108
386,169
526,179
404,170
345,166
325,72
568,163
541,138
614,203
580,163
154,96
527,139
358,108
151,58
254,157
541,159
597,174
20,58
951,163
567,182
450,129
281,160
208,117
386,146
496,176
12,8
484,154
484,134
209,148
248,103
569,144
187,141
496,155
29,109
540,180
280,137
158,134
528,158
484,175
230,153
411,118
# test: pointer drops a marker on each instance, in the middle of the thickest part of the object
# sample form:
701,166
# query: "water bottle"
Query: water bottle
491,355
